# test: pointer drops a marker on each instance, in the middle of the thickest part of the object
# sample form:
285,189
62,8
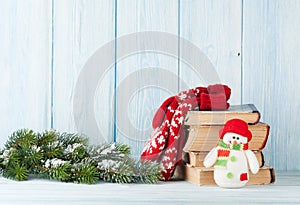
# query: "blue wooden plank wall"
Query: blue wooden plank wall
102,68
271,74
25,65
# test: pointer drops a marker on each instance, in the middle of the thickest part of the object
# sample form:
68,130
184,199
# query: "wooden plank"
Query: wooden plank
147,71
215,28
271,77
284,191
83,93
25,66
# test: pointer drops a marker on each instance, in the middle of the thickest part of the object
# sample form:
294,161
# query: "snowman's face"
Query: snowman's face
233,138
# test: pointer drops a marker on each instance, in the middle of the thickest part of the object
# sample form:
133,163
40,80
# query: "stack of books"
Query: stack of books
202,131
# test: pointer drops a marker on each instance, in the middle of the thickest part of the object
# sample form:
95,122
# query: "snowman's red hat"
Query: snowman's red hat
236,126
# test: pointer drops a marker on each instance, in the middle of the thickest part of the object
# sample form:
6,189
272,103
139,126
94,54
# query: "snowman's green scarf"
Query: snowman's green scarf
224,152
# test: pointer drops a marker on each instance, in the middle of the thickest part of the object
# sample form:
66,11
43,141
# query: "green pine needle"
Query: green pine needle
16,172
85,173
61,173
123,148
23,138
67,157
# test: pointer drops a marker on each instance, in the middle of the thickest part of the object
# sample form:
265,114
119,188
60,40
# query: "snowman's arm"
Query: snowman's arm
211,158
252,161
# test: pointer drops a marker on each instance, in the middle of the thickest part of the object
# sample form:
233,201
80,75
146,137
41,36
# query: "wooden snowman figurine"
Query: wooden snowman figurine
231,158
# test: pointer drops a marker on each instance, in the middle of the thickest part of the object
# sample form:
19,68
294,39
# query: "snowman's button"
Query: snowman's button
244,177
233,158
229,175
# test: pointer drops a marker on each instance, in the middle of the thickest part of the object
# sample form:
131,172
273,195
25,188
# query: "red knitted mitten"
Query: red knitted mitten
161,112
220,89
166,141
157,142
164,112
216,98
213,101
174,146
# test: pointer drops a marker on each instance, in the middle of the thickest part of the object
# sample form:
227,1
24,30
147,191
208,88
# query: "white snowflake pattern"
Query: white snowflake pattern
182,96
174,124
169,165
170,150
153,143
148,148
177,112
161,139
166,158
180,120
171,110
161,147
184,105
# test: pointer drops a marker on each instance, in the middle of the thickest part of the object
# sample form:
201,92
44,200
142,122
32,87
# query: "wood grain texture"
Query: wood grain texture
145,77
81,29
284,191
215,28
267,31
25,66
271,76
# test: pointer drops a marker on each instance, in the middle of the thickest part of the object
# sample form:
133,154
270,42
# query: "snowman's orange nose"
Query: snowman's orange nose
234,142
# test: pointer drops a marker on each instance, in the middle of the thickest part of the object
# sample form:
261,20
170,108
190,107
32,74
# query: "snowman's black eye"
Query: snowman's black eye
233,137
237,138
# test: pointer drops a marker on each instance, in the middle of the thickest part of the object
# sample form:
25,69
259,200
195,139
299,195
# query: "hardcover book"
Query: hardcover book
246,112
204,137
195,159
205,176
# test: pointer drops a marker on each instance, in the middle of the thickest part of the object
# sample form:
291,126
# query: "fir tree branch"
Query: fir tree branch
67,157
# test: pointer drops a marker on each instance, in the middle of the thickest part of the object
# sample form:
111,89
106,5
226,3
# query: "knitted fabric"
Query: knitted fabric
236,126
224,152
167,139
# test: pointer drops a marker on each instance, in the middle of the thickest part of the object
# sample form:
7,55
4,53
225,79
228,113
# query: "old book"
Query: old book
246,112
204,138
195,159
205,176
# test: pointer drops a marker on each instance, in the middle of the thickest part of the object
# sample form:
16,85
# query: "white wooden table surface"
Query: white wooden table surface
286,190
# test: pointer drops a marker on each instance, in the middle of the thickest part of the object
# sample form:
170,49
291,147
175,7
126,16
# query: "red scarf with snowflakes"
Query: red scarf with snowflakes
167,139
